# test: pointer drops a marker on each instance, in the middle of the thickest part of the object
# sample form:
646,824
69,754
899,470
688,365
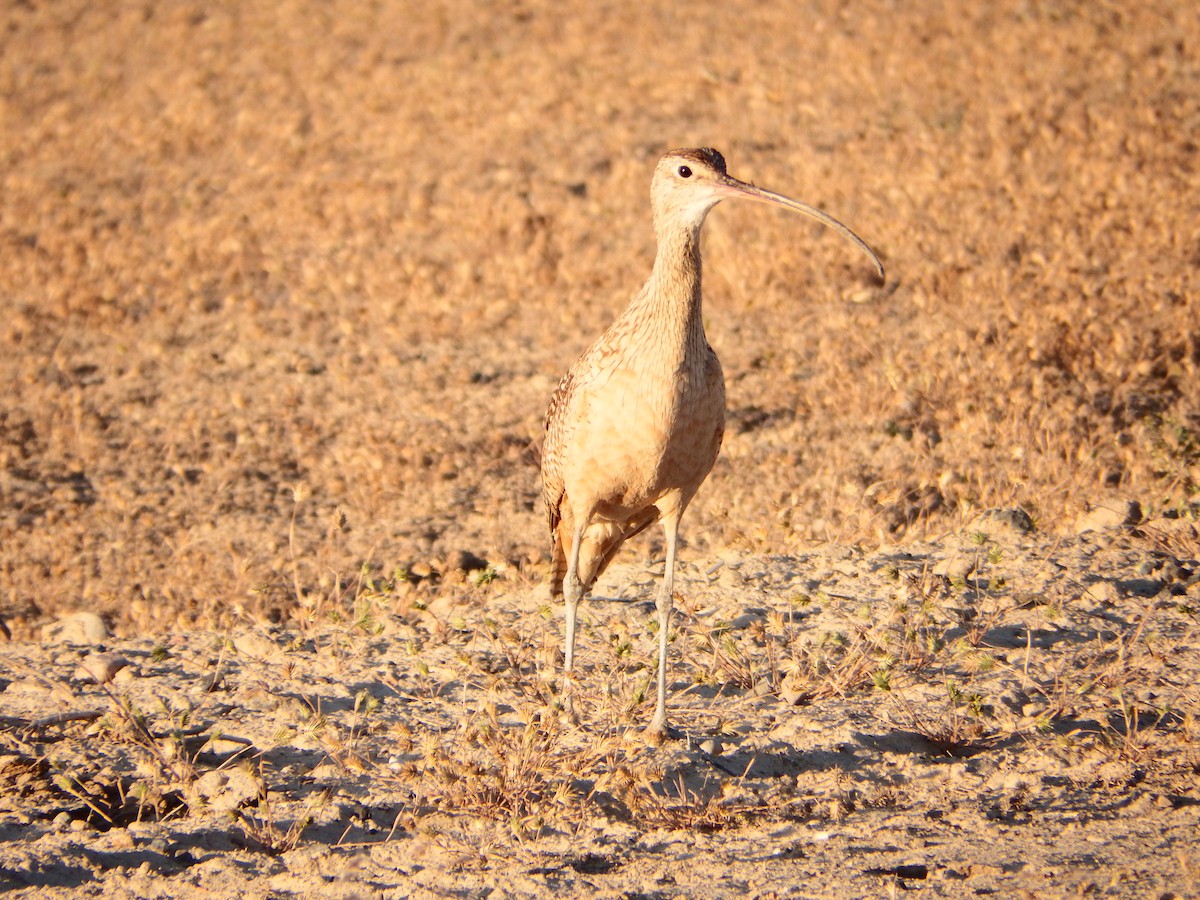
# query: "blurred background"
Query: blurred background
285,288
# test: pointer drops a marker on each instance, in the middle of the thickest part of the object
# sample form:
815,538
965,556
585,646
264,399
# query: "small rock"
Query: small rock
254,645
326,771
959,565
100,668
225,746
1006,518
77,628
229,789
712,746
142,830
1103,592
793,693
1118,514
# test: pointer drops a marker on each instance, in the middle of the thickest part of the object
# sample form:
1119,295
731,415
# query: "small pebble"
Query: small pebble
1109,515
77,628
960,565
1103,592
100,668
1011,519
254,645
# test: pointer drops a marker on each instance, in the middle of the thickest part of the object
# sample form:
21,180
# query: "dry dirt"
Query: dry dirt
285,289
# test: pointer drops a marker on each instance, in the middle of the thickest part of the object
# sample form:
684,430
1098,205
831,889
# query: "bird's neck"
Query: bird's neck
671,300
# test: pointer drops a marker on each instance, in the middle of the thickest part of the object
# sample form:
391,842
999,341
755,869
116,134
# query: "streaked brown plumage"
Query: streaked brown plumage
636,424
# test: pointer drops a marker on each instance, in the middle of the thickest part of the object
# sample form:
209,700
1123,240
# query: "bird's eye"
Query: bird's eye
684,172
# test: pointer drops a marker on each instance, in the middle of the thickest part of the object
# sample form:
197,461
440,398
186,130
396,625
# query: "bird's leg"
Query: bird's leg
571,591
657,729
572,594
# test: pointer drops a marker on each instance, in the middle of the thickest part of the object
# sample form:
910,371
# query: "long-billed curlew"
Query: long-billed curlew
636,424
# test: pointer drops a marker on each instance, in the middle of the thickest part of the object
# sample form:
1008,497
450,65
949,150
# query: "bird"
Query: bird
635,425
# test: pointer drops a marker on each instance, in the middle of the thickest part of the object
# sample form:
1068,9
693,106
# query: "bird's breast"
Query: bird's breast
648,422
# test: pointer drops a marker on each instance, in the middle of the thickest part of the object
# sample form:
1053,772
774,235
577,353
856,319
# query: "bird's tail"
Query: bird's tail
595,554
559,570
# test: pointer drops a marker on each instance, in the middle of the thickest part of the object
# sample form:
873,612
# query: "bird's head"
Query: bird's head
688,183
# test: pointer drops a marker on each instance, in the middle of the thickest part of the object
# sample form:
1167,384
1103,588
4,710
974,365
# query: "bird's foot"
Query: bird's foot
658,732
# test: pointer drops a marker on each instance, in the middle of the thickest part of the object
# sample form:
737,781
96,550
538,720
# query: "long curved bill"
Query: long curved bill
730,187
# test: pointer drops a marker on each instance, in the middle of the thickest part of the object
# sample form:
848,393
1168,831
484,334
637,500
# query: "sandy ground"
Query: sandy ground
851,723
284,292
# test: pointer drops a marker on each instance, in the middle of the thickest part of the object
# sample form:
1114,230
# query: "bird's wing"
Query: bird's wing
556,424
593,366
